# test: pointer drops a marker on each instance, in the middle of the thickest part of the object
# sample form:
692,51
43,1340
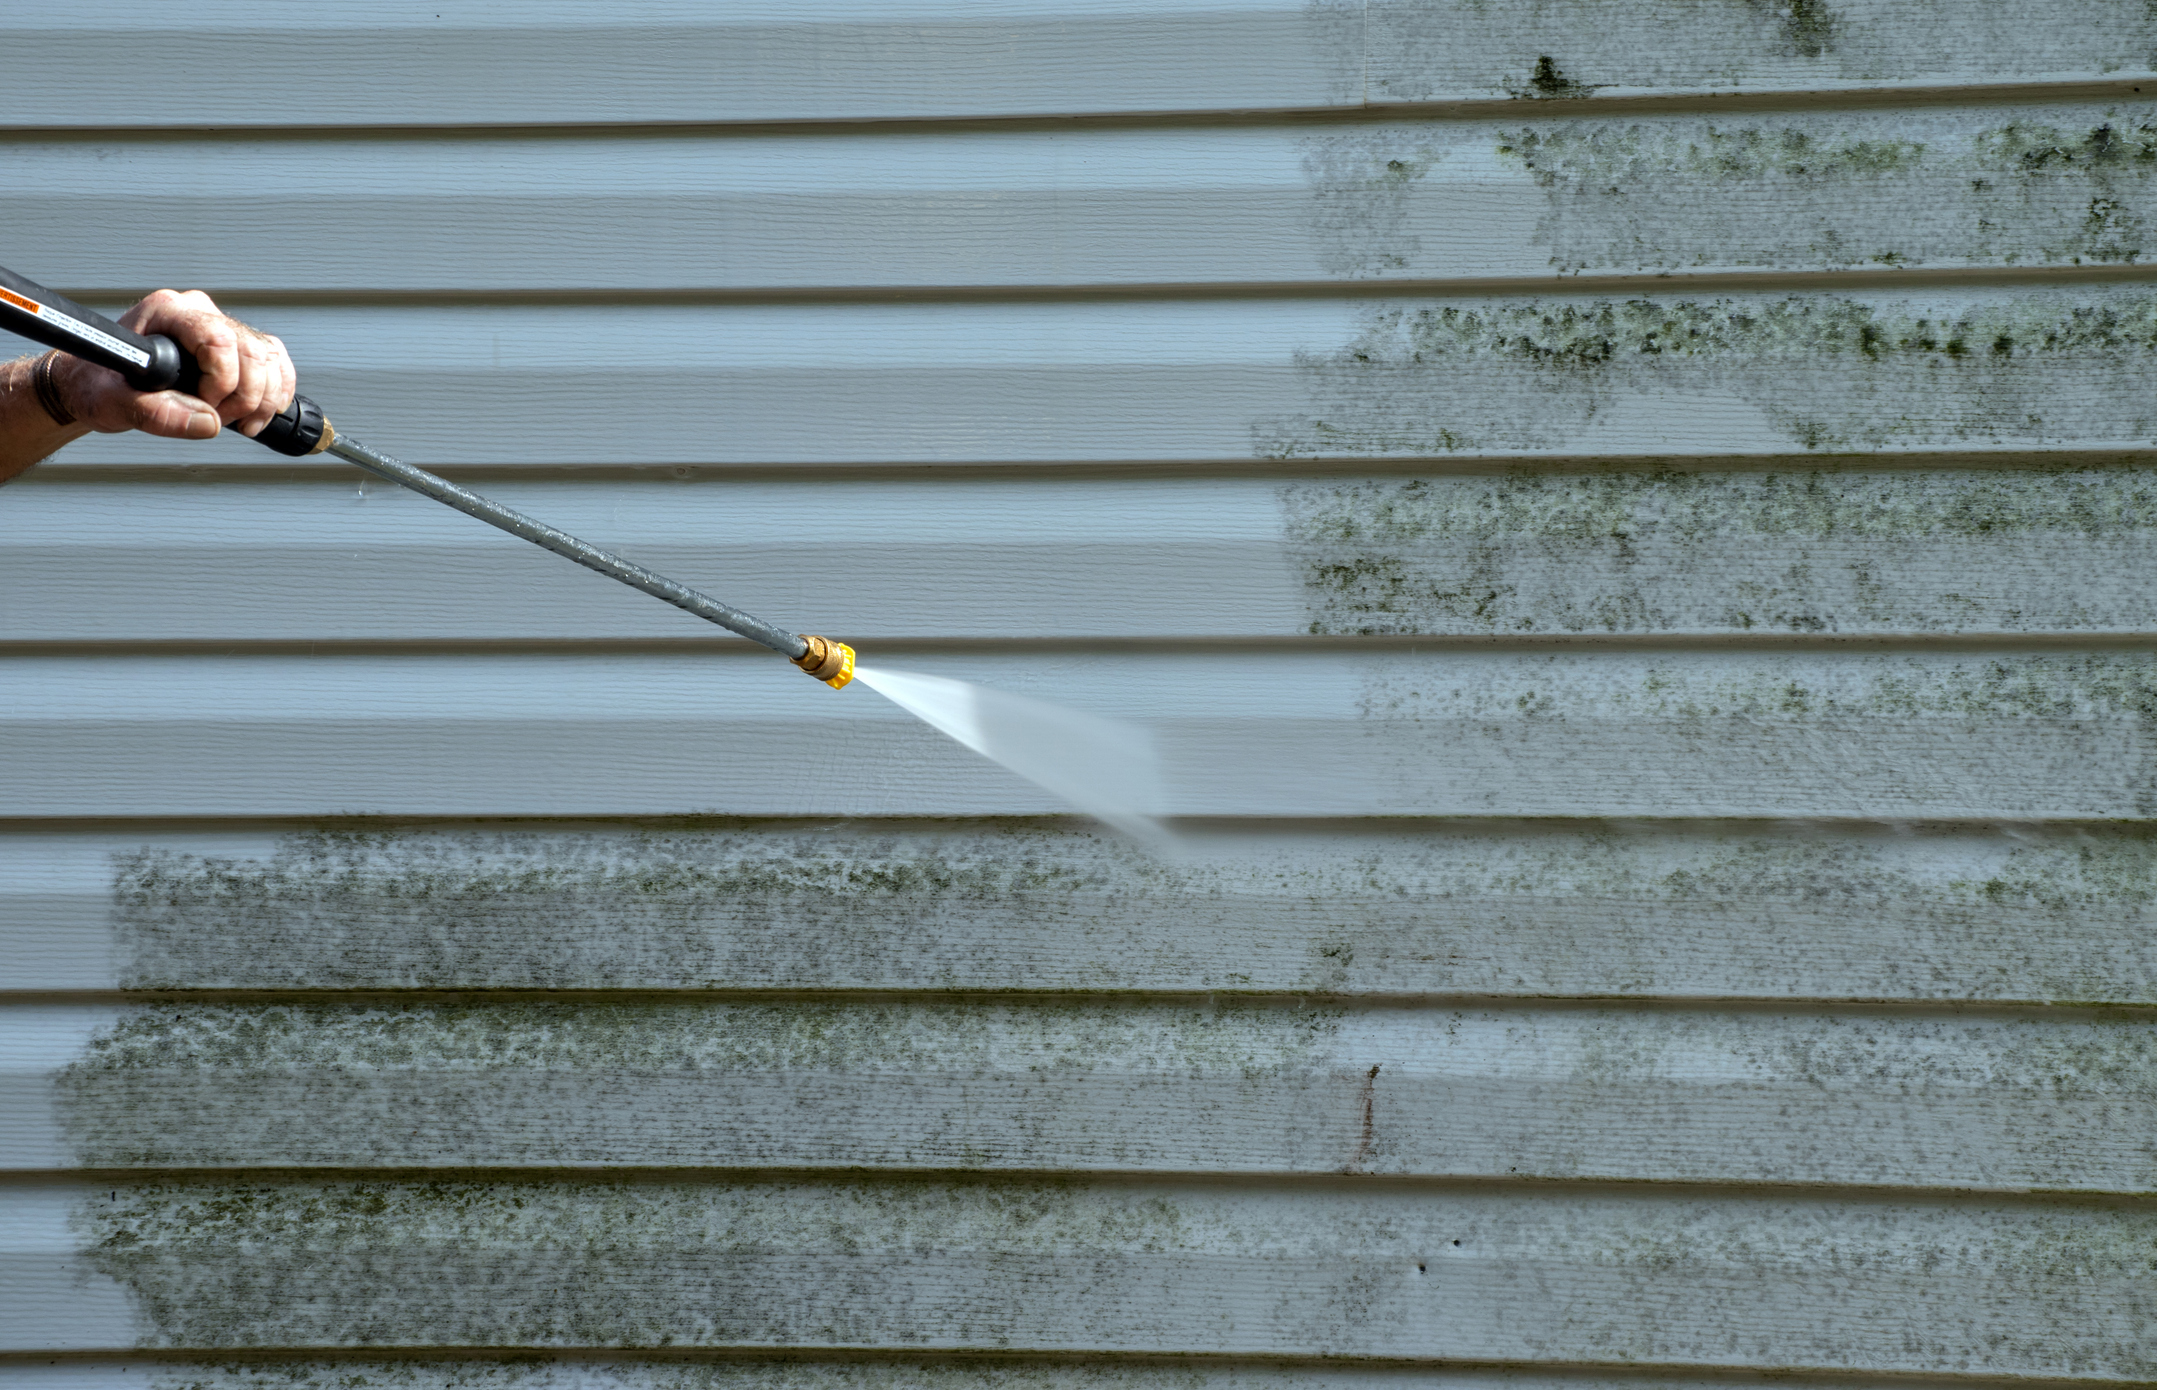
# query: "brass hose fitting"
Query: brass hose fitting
830,662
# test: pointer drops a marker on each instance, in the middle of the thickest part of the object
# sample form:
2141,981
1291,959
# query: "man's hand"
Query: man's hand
246,375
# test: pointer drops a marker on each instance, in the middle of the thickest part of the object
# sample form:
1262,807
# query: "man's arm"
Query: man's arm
247,376
27,430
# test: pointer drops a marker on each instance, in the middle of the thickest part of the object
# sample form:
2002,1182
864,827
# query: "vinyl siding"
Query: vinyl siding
1632,529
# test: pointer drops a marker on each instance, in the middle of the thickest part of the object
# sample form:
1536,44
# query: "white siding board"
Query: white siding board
901,1371
1671,375
1518,199
476,64
1593,1094
1890,553
894,1371
1987,736
1670,1280
1770,913
664,60
1560,1006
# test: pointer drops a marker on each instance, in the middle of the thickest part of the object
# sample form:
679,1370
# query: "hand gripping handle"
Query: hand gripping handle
149,363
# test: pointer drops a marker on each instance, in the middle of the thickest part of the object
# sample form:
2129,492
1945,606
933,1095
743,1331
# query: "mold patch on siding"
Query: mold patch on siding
1875,190
2024,1288
2065,687
1547,81
2047,185
2015,737
1808,25
355,910
1705,1095
787,1085
2027,916
1822,373
590,1374
1439,50
396,1264
1669,551
1360,190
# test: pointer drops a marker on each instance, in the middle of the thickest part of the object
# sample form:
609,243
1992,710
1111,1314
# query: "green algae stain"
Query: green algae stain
662,1084
1825,373
335,909
1625,157
1548,81
1362,186
1668,195
2047,186
536,1372
608,1263
1676,551
1449,909
1808,26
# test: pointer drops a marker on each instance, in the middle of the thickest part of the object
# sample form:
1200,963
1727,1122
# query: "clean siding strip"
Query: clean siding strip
2019,915
1516,199
2022,1288
673,60
847,60
1992,552
1570,1094
1647,377
1874,736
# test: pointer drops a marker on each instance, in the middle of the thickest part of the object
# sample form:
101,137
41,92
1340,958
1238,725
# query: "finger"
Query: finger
174,415
255,378
280,382
288,375
216,346
192,320
149,309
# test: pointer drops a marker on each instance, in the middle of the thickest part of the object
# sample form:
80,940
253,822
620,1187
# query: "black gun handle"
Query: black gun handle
296,430
148,363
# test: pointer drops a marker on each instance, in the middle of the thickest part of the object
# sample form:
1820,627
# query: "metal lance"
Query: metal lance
157,363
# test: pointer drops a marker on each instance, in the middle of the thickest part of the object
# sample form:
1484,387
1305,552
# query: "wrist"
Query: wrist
44,384
27,432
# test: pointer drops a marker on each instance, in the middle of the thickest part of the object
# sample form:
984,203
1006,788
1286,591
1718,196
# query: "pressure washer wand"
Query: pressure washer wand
157,363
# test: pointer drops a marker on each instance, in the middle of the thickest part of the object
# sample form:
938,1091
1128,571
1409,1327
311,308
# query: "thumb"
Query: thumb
175,415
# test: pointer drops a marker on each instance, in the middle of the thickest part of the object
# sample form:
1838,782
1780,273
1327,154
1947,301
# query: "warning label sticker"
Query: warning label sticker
77,328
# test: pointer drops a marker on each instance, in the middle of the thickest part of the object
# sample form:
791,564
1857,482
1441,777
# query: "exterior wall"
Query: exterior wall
1633,524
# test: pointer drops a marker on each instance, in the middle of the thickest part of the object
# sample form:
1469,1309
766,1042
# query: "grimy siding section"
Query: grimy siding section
1633,523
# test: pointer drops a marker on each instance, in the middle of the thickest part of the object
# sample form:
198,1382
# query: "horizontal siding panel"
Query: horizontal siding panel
1689,733
1799,1283
1595,1094
899,1371
673,60
1430,201
665,60
1939,551
1766,913
1642,378
892,1371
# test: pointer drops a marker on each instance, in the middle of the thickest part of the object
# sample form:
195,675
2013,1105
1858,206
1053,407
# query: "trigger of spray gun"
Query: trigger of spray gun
830,662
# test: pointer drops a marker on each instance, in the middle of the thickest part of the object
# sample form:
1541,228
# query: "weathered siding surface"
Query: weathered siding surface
1633,526
1510,198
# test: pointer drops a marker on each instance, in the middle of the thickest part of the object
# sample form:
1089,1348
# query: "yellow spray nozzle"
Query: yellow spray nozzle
830,662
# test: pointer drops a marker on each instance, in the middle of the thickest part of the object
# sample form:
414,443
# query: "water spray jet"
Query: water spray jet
1104,768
